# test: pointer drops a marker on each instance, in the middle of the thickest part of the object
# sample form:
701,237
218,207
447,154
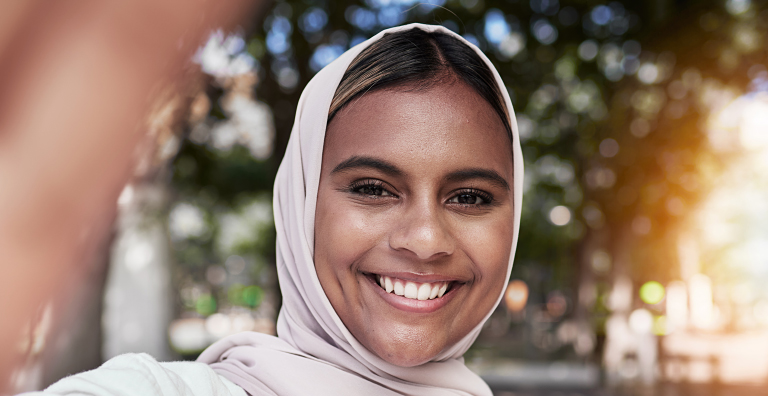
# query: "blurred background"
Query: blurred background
643,251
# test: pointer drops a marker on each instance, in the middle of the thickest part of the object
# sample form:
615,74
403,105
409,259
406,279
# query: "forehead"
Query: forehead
448,124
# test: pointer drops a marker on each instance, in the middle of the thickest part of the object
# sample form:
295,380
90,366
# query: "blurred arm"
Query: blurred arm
77,77
141,375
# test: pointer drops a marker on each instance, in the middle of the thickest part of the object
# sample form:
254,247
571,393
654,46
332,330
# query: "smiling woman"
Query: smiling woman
413,230
397,206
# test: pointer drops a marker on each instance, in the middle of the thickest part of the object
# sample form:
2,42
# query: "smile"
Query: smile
420,294
413,290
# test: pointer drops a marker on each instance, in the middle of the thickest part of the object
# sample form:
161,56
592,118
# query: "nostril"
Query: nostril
422,230
426,241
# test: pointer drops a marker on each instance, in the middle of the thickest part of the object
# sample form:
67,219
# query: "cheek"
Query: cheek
343,233
489,244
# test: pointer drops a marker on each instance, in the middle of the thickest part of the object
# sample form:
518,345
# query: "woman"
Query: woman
397,206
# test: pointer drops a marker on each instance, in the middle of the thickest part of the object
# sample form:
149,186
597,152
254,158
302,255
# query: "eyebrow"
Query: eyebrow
368,162
478,173
392,170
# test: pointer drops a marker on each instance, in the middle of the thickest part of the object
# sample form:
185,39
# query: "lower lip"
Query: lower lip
411,305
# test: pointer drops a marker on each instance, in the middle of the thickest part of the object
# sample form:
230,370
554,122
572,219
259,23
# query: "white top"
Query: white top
138,374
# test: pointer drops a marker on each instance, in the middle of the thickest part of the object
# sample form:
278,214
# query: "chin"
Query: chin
409,361
403,358
407,347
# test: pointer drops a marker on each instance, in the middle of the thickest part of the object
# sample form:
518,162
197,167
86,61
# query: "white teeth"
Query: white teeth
411,290
424,291
433,292
399,290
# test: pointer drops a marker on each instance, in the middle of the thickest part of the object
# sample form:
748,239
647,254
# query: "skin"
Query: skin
416,201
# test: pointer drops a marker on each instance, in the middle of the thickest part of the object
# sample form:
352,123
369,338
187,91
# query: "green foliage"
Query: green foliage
205,305
252,296
248,296
223,175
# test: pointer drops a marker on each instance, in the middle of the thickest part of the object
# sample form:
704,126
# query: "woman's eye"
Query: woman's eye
470,198
371,189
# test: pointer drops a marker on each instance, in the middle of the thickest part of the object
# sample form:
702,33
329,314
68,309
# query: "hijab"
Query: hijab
314,352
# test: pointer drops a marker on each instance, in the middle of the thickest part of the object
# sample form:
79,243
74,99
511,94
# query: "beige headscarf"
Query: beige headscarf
314,353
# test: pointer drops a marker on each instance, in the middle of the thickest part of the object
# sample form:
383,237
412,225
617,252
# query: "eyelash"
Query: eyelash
487,198
357,186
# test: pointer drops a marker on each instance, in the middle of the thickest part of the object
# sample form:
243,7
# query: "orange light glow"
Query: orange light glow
516,295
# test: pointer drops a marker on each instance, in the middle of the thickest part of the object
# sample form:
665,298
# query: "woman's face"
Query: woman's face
414,229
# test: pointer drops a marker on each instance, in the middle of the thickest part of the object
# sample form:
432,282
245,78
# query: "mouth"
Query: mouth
414,293
421,291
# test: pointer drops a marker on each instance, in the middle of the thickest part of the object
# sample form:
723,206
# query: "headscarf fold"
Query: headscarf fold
314,353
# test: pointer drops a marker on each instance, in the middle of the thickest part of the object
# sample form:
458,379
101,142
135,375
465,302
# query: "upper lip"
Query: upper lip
419,278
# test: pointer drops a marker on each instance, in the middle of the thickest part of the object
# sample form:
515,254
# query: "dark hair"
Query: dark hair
418,59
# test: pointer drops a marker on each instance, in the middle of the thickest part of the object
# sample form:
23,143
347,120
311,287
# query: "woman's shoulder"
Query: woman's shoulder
140,374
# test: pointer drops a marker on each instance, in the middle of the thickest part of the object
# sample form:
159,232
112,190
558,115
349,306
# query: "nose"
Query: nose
423,232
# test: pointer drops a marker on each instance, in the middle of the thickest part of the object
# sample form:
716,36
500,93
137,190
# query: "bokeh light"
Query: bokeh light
560,215
641,321
516,295
652,292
